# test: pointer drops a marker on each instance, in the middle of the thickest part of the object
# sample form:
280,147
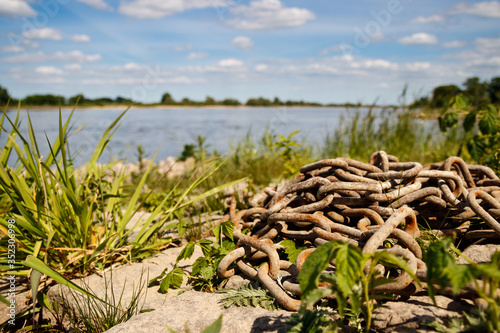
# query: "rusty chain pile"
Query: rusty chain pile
362,204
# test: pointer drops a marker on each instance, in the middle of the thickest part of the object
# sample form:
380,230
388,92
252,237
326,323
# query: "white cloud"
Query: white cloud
155,9
454,44
261,68
268,14
80,38
132,66
230,63
336,48
15,8
97,4
242,42
73,67
72,56
12,48
418,66
483,60
484,9
48,70
428,19
196,55
419,38
371,63
185,47
43,33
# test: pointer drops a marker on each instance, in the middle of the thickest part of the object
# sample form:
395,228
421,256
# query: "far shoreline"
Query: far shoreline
160,106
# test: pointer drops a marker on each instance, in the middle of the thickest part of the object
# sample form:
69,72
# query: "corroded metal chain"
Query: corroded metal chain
363,204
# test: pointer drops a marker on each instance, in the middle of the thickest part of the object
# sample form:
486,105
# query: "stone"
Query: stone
479,253
128,278
412,315
236,281
195,311
22,298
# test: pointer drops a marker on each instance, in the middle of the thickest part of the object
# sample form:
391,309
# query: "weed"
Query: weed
350,283
251,295
483,278
203,276
86,314
396,131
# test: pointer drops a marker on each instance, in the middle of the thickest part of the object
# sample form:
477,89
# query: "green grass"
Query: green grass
396,131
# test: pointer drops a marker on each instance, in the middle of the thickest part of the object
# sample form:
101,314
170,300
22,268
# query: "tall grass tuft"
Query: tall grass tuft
82,313
71,222
395,130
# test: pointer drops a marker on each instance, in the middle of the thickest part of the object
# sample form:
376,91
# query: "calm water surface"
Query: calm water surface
168,129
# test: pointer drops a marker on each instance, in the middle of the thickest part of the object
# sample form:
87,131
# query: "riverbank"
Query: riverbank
162,106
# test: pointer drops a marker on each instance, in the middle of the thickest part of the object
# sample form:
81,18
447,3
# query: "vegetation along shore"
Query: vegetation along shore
473,88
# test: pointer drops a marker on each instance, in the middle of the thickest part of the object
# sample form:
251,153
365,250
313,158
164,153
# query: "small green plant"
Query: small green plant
291,250
311,321
396,131
481,125
484,278
248,295
287,149
203,276
198,150
86,314
353,281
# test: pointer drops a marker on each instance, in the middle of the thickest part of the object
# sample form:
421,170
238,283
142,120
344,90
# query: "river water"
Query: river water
168,129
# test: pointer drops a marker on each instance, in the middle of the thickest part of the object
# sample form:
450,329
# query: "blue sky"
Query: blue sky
325,51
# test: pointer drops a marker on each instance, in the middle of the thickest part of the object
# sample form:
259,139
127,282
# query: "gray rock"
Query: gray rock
479,253
22,298
194,311
236,281
413,314
127,279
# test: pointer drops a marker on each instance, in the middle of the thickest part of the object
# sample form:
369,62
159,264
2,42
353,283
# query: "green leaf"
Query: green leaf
35,277
186,252
451,119
291,251
442,124
469,121
438,258
4,300
349,266
207,272
477,147
154,280
227,229
488,124
206,246
173,279
460,102
40,266
459,275
44,301
489,270
215,327
314,266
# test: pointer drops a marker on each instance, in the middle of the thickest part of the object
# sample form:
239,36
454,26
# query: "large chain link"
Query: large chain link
363,204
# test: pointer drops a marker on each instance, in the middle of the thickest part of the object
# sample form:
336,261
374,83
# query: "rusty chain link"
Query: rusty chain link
363,204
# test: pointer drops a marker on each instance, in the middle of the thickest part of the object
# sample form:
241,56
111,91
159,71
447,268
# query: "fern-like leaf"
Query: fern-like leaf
247,295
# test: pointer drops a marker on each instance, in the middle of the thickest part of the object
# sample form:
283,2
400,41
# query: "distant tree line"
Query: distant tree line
167,99
54,100
480,93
